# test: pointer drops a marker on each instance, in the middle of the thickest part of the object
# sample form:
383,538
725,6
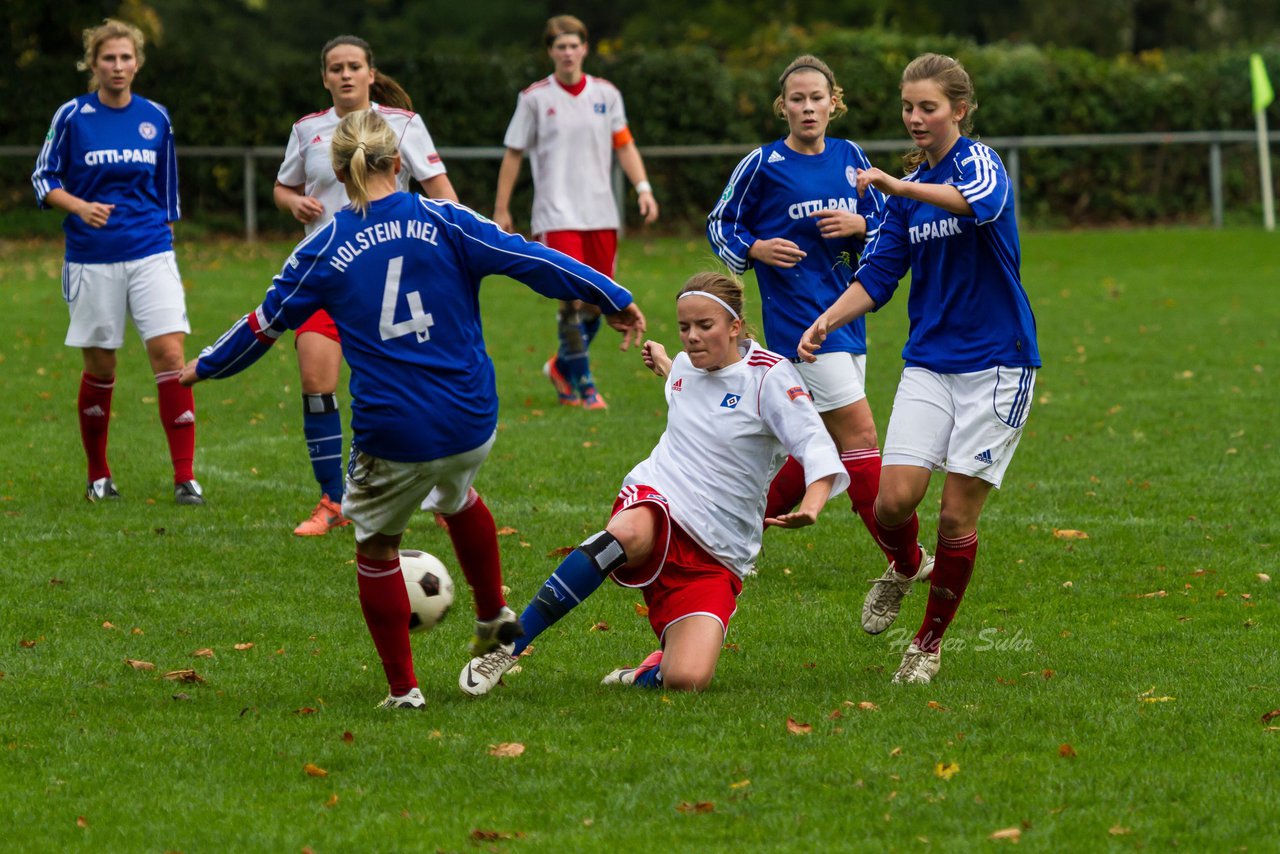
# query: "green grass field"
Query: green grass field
1099,693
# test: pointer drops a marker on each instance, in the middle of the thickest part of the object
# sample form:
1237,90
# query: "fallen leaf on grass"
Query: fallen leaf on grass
1013,834
181,695
601,626
305,710
1046,673
494,835
798,728
135,631
203,653
1117,830
563,551
936,706
1066,751
184,676
243,646
1147,696
897,751
697,809
27,644
81,821
313,770
506,531
139,665
1264,578
506,749
348,737
108,625
741,784
332,802
643,611
1155,594
1069,534
946,770
1270,716
835,715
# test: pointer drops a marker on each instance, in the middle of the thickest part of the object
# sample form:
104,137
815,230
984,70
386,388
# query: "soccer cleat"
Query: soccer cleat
483,673
411,700
491,634
326,517
627,675
884,599
188,492
592,399
918,667
100,489
564,389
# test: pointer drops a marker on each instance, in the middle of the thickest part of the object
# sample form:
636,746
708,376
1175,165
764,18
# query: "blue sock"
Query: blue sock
649,679
322,426
576,578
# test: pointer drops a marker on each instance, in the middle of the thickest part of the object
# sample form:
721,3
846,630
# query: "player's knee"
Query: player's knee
687,676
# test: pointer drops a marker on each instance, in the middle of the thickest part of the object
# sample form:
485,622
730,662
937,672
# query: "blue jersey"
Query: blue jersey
403,287
774,192
967,308
115,156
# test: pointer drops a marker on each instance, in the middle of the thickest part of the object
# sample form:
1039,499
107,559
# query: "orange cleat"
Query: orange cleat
326,517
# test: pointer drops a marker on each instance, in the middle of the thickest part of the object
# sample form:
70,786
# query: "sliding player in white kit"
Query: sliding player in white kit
572,125
686,527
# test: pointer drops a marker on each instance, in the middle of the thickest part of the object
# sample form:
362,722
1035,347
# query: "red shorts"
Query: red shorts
680,579
322,323
597,249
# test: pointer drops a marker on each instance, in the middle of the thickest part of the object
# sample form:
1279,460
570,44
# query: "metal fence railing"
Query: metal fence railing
1011,149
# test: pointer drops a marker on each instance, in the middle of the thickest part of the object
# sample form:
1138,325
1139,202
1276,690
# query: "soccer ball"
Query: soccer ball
430,589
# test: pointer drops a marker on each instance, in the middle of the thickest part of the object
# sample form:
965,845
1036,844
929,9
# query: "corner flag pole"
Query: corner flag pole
1263,95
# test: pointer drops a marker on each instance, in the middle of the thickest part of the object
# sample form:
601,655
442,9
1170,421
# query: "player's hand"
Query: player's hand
799,519
306,208
95,214
777,252
655,358
881,180
502,219
834,223
811,340
648,208
630,322
189,377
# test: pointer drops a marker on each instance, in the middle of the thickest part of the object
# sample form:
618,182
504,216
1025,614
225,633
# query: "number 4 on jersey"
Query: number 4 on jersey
418,321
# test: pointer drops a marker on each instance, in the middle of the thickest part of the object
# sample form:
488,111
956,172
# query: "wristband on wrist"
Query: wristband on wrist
644,187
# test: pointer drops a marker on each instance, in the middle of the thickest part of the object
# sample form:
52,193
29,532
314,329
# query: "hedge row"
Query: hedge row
690,95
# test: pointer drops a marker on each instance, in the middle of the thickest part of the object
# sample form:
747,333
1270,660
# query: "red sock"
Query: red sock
863,466
952,569
475,542
94,403
385,604
900,544
178,415
786,490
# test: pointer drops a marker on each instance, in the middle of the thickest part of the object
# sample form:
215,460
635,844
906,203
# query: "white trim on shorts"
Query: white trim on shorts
724,629
100,297
969,423
835,380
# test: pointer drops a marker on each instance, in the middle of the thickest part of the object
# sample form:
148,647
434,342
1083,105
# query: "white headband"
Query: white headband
712,297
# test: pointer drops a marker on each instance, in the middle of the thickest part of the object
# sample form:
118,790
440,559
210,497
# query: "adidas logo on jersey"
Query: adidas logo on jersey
94,411
316,140
775,157
984,458
678,384
187,417
88,108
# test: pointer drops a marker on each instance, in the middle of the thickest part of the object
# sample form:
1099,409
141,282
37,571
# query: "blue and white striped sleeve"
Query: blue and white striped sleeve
167,172
984,183
53,158
730,238
870,205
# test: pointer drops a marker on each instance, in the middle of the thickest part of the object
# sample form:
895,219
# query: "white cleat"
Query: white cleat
884,600
483,673
411,700
918,667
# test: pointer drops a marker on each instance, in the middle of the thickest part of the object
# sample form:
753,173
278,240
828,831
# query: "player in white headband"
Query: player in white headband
734,412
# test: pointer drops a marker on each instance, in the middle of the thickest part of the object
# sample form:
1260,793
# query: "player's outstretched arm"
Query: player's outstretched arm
189,377
852,304
656,359
815,497
630,322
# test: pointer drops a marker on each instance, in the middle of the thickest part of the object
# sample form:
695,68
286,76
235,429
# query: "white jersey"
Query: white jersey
570,141
307,164
728,432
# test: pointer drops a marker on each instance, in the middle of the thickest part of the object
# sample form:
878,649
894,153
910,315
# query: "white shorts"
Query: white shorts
101,296
382,495
835,380
964,423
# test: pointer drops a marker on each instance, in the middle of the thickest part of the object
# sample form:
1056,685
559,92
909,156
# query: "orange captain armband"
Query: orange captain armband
622,137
